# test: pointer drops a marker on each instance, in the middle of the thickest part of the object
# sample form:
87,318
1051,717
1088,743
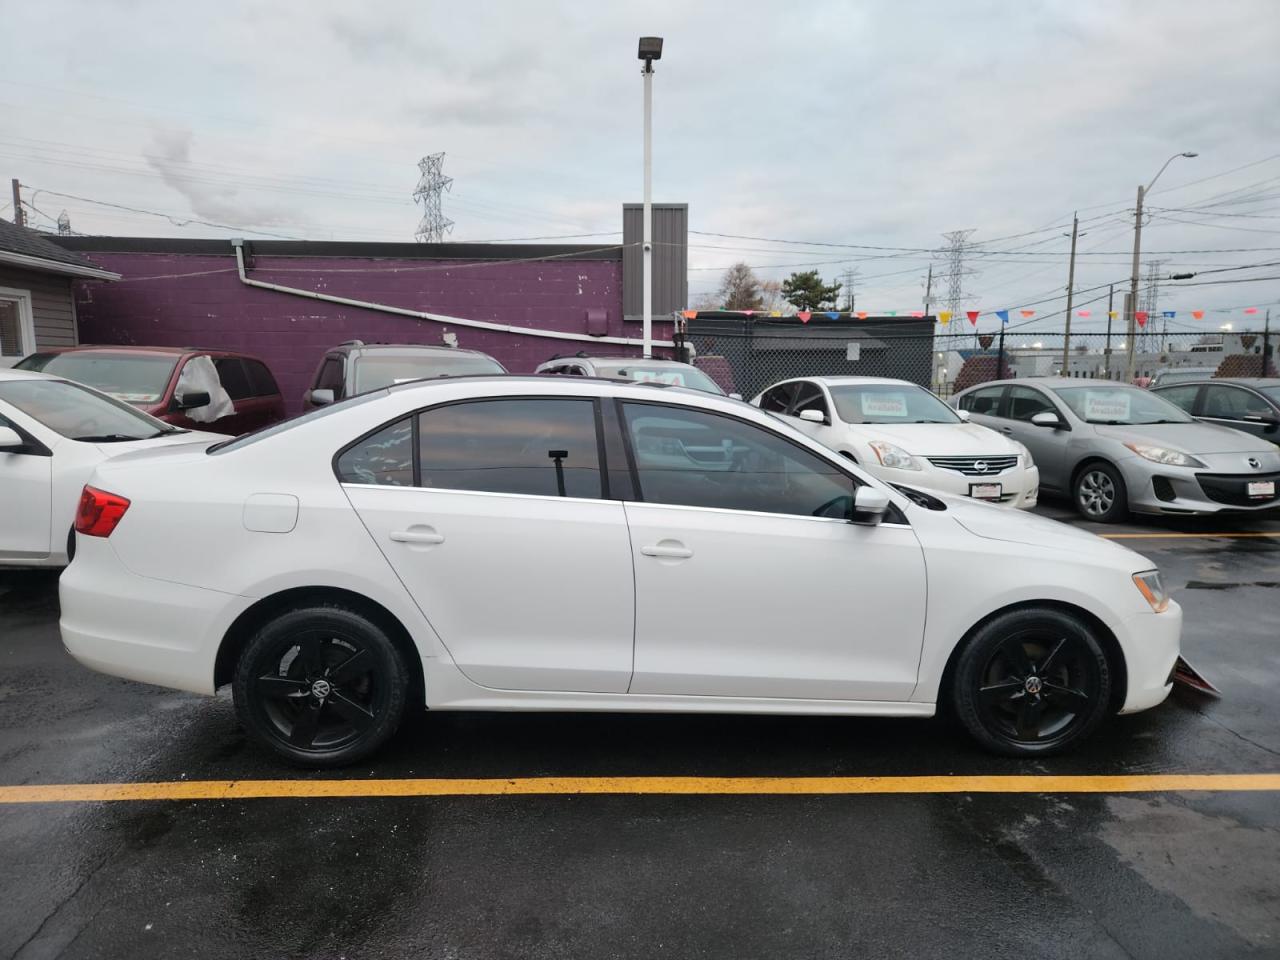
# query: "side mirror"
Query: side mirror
10,442
190,401
869,506
963,415
321,397
1046,419
813,416
735,396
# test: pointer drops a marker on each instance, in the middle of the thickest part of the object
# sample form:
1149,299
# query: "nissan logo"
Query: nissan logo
1253,462
980,466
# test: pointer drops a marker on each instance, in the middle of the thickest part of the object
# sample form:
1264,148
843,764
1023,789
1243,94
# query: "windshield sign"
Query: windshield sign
889,403
1120,405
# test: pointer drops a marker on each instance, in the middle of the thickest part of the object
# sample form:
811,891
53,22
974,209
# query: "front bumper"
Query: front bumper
1150,643
117,622
1159,489
1020,486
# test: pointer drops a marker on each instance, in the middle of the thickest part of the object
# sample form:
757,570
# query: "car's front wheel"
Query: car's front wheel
322,686
1032,682
1100,493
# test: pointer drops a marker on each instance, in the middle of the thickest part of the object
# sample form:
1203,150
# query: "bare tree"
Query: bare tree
771,295
740,290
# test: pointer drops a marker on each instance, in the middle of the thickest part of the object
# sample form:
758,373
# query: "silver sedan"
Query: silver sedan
1114,448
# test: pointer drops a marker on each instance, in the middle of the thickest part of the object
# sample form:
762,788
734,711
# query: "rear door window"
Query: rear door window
234,378
262,383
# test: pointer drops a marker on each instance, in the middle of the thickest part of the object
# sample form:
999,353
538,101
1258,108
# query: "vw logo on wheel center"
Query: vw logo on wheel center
321,688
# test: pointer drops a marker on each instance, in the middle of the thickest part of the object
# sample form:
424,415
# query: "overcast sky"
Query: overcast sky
882,124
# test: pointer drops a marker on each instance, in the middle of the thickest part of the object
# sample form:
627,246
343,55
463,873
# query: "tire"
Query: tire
321,686
1099,493
1032,682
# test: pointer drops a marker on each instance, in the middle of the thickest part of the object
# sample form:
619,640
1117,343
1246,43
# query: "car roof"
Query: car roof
127,348
1238,381
1051,382
405,349
552,385
853,381
8,373
614,358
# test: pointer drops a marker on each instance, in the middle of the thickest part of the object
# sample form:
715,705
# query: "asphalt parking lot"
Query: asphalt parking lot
1094,873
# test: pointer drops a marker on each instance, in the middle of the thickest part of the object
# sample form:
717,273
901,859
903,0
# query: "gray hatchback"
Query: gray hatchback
1115,448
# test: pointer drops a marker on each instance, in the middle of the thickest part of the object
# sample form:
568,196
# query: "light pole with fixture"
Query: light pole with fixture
1132,312
649,51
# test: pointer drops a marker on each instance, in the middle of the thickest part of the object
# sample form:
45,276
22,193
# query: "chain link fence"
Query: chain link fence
746,357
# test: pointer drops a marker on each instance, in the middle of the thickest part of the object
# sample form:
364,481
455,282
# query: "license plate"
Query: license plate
986,491
1262,489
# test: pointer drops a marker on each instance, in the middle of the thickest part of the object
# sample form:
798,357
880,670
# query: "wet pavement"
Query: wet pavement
1081,875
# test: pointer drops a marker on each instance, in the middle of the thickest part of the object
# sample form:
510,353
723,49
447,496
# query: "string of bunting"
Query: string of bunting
944,317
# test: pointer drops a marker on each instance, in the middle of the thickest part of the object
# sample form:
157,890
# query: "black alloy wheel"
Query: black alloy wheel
1032,682
321,686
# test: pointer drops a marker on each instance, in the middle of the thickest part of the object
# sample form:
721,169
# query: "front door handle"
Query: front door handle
416,535
1006,429
670,549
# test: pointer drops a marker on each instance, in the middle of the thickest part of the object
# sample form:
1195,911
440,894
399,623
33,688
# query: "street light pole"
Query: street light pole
1132,309
1071,286
650,50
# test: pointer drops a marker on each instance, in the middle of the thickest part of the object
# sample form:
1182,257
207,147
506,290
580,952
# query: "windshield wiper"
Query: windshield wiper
109,438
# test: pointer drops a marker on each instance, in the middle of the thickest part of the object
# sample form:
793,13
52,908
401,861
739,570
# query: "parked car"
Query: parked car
902,433
174,384
673,373
1114,448
53,432
548,543
358,367
1172,375
1251,404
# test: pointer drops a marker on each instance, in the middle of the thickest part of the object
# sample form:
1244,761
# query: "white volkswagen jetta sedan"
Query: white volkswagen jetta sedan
53,432
902,433
539,543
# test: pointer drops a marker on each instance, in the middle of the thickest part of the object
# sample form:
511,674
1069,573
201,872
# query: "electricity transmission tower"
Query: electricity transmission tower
958,248
1150,300
850,277
64,224
434,224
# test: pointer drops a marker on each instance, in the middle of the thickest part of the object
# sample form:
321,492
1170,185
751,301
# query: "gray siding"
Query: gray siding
670,259
52,309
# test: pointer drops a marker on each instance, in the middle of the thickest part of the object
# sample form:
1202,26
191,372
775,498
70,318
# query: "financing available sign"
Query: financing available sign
1106,405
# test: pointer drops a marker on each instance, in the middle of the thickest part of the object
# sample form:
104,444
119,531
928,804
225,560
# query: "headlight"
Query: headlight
1152,590
891,456
1024,455
1172,458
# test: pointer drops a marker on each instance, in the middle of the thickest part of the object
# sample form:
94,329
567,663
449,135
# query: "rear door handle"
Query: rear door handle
669,549
420,535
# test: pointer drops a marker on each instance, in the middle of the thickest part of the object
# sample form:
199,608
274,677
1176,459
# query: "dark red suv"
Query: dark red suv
151,379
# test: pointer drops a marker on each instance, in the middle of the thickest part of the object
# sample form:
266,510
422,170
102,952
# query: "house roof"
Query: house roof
26,248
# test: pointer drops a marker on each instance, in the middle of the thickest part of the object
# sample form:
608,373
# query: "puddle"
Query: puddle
1215,585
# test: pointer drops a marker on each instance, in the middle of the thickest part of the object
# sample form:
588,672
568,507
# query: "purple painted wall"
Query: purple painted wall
183,299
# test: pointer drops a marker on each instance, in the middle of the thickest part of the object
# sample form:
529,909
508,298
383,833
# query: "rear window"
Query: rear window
374,372
131,377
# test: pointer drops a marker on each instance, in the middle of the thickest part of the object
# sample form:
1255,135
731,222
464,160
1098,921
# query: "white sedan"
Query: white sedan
53,432
902,433
547,543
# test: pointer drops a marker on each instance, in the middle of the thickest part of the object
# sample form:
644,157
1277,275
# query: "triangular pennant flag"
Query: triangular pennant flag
1112,314
748,312
944,317
1250,309
861,314
1003,315
1171,314
973,316
804,316
689,314
1141,317
1198,314
1082,313
1027,313
917,313
833,314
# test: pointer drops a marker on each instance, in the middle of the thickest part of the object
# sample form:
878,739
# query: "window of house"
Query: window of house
700,459
384,459
10,329
545,447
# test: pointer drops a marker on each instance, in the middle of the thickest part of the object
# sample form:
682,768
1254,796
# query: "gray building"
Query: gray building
36,307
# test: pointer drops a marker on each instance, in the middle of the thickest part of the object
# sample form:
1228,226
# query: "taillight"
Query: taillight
99,512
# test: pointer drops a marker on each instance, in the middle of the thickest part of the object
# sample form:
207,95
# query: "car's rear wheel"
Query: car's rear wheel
322,686
1100,493
1032,682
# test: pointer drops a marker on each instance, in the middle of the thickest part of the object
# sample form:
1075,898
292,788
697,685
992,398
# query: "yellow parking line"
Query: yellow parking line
543,786
1181,536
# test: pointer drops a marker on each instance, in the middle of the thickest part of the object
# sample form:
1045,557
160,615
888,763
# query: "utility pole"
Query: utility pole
1132,305
928,290
19,217
1266,343
1071,286
1106,353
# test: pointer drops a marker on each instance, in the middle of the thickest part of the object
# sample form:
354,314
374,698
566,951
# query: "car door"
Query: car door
496,520
1239,408
1048,445
26,480
983,405
750,581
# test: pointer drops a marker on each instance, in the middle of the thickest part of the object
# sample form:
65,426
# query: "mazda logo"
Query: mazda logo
1253,462
980,466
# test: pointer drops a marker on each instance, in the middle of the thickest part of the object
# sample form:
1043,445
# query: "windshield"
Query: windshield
1120,405
374,372
80,414
676,376
131,377
889,403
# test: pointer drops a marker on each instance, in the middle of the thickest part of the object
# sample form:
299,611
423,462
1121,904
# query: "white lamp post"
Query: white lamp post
649,51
